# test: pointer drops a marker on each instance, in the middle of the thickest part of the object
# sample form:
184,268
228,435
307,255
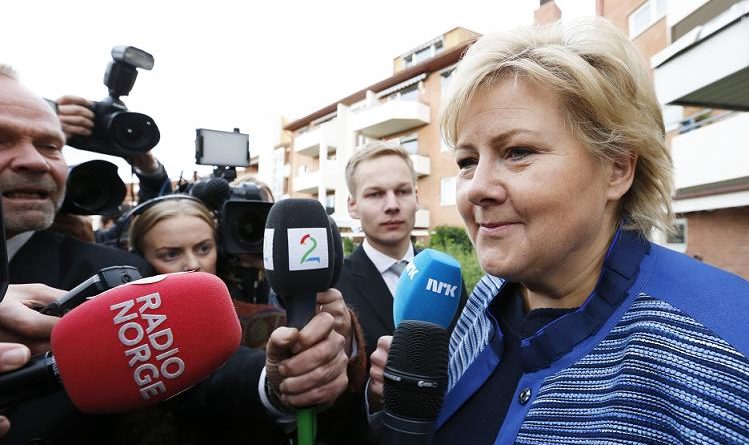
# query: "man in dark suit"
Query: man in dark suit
383,197
382,186
32,182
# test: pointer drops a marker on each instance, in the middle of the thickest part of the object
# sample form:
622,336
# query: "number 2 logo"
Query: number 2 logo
313,244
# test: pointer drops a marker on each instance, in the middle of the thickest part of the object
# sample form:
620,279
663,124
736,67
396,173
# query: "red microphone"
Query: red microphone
135,345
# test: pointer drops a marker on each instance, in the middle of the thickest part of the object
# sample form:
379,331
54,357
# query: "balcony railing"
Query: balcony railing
310,182
308,143
422,164
391,117
712,153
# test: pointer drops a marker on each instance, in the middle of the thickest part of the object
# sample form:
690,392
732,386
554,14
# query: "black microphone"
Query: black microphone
415,383
299,255
213,191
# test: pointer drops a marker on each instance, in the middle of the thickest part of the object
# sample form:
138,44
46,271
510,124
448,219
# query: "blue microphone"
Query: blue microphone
429,289
415,375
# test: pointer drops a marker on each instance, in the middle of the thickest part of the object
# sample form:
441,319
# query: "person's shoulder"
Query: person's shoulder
101,255
711,296
693,276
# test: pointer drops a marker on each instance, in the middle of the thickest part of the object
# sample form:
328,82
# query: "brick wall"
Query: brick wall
721,238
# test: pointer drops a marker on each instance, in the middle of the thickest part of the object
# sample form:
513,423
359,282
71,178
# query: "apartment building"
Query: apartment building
699,52
403,107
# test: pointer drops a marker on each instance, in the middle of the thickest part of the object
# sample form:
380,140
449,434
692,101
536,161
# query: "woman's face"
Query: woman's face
181,243
535,203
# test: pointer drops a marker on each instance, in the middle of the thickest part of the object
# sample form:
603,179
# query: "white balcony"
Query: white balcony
709,65
308,143
422,219
709,161
391,117
310,182
422,165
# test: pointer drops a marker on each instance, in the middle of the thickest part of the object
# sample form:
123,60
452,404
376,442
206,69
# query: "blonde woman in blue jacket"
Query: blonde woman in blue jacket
582,331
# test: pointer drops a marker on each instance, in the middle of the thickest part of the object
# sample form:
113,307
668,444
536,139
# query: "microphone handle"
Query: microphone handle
299,309
399,431
39,376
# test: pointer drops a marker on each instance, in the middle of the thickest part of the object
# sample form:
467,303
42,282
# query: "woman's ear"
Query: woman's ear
621,177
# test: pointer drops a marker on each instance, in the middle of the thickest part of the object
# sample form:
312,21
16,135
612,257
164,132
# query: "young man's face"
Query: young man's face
32,169
385,201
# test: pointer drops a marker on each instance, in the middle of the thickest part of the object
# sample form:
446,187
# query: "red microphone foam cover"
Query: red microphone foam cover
145,341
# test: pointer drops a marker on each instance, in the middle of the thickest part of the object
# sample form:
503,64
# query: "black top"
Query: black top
496,394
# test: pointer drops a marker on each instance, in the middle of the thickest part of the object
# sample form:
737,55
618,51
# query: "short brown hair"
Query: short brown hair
372,150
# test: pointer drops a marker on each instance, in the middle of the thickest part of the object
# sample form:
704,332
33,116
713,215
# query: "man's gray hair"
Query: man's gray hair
8,71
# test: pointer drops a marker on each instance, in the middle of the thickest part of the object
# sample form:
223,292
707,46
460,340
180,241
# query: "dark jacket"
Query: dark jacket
63,262
366,293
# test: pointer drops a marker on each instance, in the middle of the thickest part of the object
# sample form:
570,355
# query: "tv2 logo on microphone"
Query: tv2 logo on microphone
308,248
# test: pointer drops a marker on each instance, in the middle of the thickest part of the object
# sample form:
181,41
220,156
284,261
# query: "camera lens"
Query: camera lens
133,131
88,194
249,228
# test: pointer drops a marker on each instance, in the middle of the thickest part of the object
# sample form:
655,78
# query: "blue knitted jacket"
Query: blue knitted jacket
660,357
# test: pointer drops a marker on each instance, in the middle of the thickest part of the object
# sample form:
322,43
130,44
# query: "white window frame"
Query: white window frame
681,225
434,48
653,15
448,194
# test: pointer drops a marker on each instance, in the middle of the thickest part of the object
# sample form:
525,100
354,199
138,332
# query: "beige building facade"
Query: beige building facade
404,107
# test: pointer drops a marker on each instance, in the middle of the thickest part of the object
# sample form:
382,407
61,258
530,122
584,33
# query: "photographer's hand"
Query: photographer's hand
75,115
19,323
146,163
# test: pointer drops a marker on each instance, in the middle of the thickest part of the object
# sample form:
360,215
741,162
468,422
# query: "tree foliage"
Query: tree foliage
454,241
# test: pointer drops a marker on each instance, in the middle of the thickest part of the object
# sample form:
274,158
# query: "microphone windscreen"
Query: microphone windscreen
145,341
338,253
429,289
298,249
213,191
416,370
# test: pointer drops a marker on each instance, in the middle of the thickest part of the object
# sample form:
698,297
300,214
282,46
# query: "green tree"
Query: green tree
348,246
454,241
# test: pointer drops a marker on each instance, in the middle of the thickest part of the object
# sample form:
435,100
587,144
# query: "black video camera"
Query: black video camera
117,131
241,209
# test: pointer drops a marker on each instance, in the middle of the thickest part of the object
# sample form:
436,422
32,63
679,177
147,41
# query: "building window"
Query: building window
330,203
410,92
672,116
643,17
447,191
361,139
678,240
410,143
423,53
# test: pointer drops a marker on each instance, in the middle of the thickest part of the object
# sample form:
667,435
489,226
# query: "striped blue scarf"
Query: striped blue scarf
471,333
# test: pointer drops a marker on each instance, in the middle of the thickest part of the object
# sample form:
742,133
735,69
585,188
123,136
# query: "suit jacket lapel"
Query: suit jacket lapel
373,289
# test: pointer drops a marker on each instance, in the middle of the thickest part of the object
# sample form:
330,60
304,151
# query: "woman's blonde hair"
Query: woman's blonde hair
168,208
608,101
